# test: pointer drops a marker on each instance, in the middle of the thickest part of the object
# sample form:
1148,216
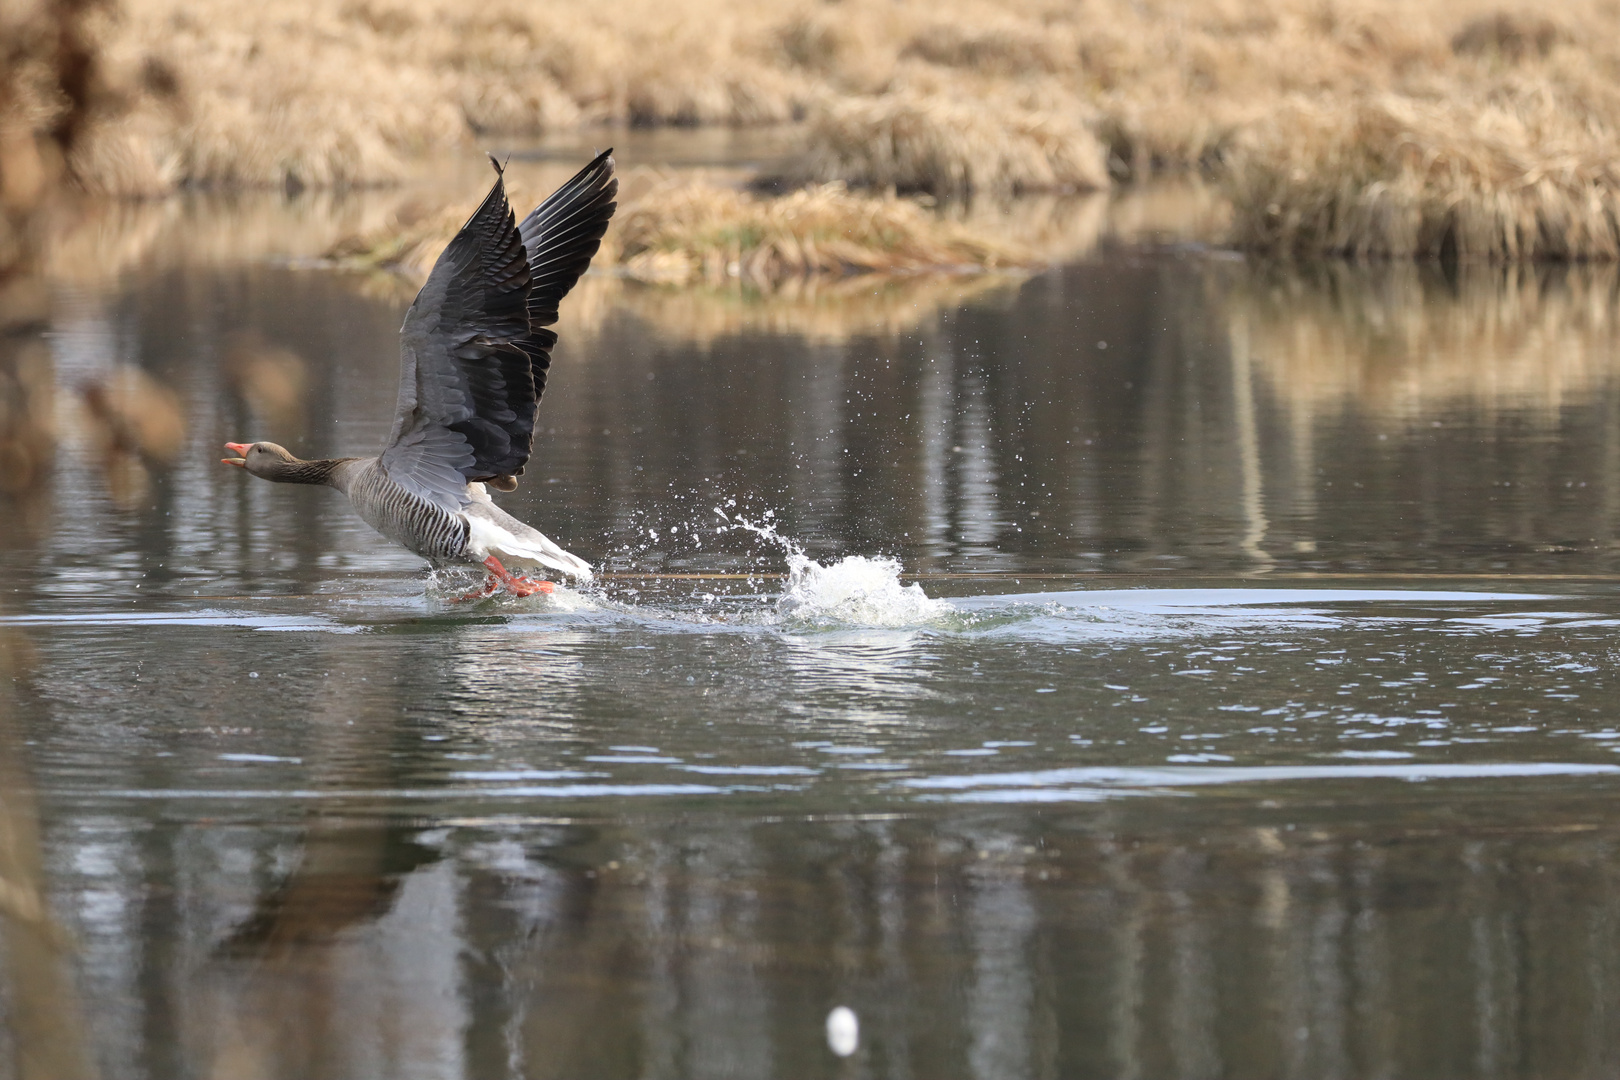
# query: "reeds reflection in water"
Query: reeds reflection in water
47,52
1430,362
1406,343
1072,944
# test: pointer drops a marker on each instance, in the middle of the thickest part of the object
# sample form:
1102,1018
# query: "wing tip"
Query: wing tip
598,174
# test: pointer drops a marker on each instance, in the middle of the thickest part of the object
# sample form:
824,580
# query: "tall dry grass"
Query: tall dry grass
950,146
47,55
1484,128
685,231
310,93
1521,172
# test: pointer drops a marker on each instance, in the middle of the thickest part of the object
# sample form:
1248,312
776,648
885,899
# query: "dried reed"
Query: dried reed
1513,178
691,231
686,230
954,147
1375,127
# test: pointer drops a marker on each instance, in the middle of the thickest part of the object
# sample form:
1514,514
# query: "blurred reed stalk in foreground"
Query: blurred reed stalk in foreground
44,1022
131,422
49,90
45,57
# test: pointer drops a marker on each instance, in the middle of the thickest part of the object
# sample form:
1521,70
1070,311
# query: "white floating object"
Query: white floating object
843,1031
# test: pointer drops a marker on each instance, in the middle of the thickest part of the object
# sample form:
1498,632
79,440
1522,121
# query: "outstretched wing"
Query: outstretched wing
560,236
474,348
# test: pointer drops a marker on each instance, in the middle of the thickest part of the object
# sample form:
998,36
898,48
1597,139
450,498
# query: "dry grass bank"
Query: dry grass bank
916,142
1485,128
686,230
1526,174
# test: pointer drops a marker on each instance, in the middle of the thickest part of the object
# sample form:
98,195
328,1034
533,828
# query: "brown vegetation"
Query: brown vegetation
1482,128
392,239
953,147
1522,175
689,229
49,89
684,230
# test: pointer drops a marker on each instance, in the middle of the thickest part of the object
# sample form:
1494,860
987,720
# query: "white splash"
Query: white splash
855,591
766,532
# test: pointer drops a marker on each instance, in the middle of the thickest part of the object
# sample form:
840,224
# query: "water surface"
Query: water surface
1159,666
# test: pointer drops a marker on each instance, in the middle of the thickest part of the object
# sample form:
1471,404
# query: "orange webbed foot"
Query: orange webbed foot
526,587
516,584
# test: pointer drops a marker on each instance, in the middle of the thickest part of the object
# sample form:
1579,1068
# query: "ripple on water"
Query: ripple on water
866,593
1086,784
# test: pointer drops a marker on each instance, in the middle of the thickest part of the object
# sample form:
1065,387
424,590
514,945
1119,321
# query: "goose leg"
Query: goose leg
517,583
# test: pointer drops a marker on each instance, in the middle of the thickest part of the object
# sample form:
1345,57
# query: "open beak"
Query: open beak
240,449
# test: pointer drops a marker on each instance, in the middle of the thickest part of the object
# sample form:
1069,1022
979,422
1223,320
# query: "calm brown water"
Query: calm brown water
1243,707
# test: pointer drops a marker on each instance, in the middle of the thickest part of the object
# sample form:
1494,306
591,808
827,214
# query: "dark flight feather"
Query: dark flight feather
560,236
475,348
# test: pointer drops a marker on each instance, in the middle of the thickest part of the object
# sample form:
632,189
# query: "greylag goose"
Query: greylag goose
474,351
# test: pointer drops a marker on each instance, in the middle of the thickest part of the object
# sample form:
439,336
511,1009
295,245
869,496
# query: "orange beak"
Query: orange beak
240,449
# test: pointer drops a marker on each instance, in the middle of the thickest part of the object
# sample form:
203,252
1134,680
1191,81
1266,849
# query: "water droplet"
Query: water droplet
843,1031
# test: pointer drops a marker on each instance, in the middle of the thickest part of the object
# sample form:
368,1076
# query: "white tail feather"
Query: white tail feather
495,532
539,549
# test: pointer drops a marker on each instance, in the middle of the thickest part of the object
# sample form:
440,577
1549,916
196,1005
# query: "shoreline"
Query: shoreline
1463,129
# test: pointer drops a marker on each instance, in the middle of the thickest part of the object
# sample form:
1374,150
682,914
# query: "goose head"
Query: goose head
265,459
